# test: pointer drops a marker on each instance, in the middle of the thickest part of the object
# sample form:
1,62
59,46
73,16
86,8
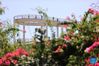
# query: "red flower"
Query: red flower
89,49
95,44
25,53
21,51
56,51
7,62
65,26
66,38
1,61
4,58
91,11
87,60
16,53
64,46
90,65
59,49
96,12
97,55
14,61
97,64
8,55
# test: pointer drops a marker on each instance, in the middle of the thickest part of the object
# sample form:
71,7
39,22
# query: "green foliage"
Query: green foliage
6,35
56,52
1,9
82,35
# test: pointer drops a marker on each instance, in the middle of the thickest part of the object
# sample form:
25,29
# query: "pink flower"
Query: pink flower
21,51
97,64
88,50
8,55
16,53
59,47
87,60
96,12
1,61
64,45
25,53
95,44
4,58
90,65
91,11
65,26
58,50
66,38
7,62
14,61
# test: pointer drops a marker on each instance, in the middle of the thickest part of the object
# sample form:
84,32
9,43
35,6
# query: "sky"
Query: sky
54,8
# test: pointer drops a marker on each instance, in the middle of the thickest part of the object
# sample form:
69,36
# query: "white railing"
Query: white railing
39,17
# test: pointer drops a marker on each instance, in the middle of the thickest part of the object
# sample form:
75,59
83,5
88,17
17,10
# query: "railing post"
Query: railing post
23,33
57,31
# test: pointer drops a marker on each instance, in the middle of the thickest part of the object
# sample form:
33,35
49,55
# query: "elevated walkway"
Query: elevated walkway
37,20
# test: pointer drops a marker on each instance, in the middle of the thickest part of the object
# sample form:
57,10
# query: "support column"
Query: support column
61,30
57,31
14,39
14,35
23,34
46,31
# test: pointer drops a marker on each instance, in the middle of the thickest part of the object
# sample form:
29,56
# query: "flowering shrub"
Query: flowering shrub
89,49
80,40
73,48
93,11
87,61
12,58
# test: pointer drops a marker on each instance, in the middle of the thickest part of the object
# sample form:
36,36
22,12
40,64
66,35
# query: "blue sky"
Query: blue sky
55,8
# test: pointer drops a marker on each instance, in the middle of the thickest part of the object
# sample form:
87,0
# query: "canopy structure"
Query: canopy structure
37,20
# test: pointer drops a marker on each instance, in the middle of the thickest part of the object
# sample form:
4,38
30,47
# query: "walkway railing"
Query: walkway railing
38,17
